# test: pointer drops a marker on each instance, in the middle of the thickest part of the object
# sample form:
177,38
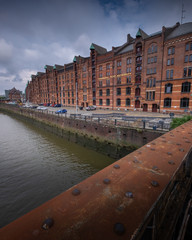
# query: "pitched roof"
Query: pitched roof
100,50
141,33
57,67
180,30
48,67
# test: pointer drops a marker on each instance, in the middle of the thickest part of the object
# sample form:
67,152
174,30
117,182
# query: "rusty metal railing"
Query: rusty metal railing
119,202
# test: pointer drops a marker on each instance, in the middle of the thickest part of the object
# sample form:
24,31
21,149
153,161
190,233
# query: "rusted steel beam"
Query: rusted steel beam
114,202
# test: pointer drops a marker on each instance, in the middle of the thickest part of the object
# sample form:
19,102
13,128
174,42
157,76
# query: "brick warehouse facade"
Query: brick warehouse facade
147,73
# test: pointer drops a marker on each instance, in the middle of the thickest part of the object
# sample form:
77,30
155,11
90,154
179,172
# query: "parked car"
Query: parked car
91,108
41,108
61,111
57,105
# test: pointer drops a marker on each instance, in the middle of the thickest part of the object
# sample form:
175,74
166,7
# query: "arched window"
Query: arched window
137,91
118,91
128,91
152,49
118,102
186,87
128,102
184,102
168,88
107,101
167,102
138,48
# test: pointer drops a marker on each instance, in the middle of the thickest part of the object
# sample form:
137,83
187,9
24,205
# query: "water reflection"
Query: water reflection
36,166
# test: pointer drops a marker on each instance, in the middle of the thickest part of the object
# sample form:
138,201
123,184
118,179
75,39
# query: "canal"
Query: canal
36,165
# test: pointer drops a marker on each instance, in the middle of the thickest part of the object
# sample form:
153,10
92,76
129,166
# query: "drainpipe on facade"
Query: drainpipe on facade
163,36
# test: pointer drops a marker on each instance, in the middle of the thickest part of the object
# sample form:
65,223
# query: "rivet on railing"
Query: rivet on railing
76,192
154,183
129,194
119,228
116,166
48,223
106,181
181,150
171,162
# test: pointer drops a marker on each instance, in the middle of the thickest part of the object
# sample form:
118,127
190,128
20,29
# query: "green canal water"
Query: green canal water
35,166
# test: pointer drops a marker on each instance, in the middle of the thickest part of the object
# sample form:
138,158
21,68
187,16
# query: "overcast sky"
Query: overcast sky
34,33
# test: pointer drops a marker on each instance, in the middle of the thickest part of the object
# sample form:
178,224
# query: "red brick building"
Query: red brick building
147,73
14,95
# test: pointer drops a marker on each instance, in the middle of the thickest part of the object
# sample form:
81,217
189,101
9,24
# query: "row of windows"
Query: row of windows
151,82
152,60
184,102
170,61
118,102
118,91
152,49
151,70
185,88
128,80
150,95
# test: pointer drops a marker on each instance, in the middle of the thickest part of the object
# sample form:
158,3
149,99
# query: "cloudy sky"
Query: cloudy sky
34,33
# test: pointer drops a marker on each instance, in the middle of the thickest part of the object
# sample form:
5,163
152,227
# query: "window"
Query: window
107,73
171,50
187,72
84,97
170,61
118,63
147,83
128,91
118,91
108,66
68,94
186,58
100,75
188,46
118,102
84,69
150,95
84,89
137,91
100,83
129,79
168,88
107,101
169,74
107,92
68,101
190,58
118,71
167,102
184,102
186,87
138,79
100,68
152,49
154,82
118,80
129,61
129,70
100,92
128,102
100,101
151,70
107,82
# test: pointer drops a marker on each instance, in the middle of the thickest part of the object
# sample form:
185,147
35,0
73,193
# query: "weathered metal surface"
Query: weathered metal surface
113,203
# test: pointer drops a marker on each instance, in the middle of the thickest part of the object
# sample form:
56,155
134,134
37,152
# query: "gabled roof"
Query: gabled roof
141,33
48,67
180,30
100,50
57,67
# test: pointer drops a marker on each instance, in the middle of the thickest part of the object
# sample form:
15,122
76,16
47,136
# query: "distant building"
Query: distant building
147,73
14,95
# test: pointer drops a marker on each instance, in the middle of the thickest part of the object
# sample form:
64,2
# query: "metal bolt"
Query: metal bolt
106,181
171,162
129,194
119,228
154,183
116,166
76,192
181,150
48,223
